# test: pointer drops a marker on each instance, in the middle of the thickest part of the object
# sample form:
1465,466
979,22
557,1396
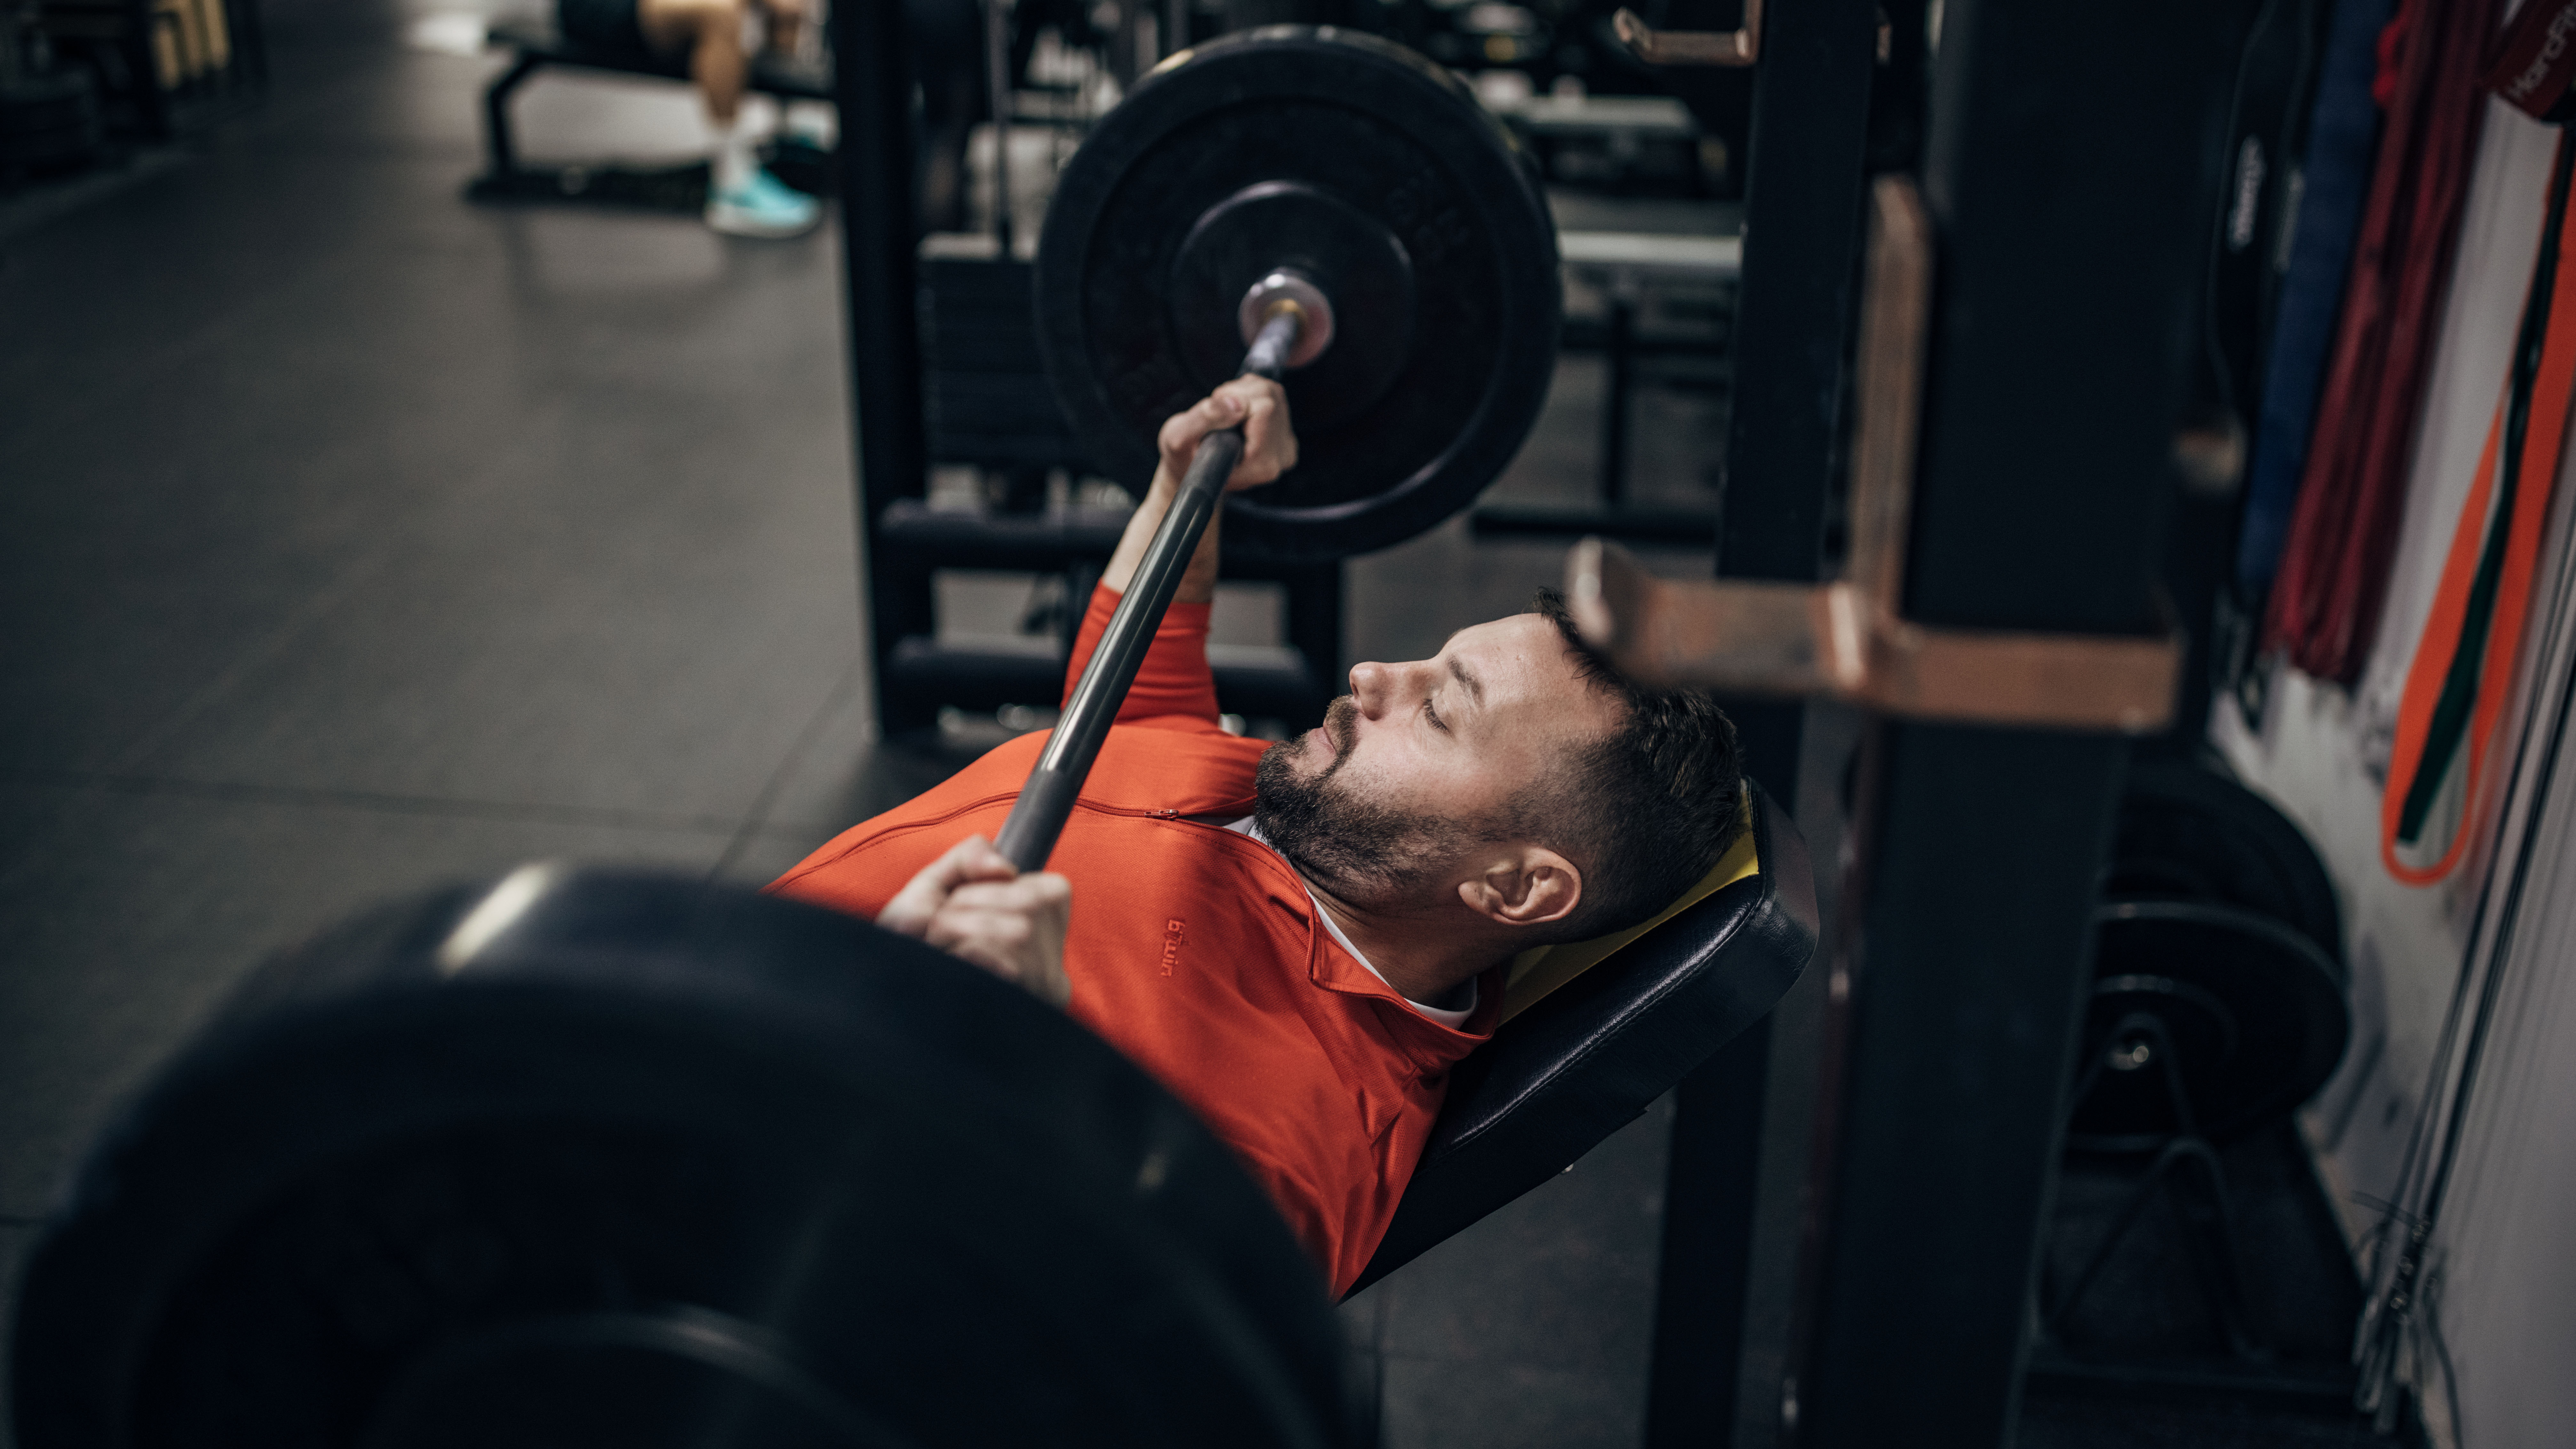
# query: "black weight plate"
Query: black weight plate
2255,1010
592,1158
2186,833
1346,252
1414,409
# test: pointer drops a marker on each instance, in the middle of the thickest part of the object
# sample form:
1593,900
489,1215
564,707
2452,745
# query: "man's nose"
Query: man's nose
1378,689
1371,684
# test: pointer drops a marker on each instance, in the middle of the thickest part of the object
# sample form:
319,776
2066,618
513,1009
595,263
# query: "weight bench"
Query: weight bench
536,45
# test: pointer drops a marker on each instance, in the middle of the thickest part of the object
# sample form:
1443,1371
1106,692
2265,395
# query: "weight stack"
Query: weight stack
49,123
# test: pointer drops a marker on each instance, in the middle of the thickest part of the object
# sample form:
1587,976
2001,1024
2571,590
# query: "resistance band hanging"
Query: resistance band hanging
2334,182
2351,496
2464,663
2535,67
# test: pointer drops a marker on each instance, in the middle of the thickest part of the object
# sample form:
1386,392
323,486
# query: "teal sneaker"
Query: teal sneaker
766,206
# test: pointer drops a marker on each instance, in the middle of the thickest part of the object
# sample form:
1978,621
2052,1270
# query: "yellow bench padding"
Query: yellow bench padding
1541,969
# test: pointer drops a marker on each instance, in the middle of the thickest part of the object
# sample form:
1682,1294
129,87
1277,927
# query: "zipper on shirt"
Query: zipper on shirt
988,801
1134,813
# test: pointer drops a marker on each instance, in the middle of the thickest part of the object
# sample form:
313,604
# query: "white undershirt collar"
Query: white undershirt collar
1454,1020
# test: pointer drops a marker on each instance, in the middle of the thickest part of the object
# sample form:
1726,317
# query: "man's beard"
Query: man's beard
1360,849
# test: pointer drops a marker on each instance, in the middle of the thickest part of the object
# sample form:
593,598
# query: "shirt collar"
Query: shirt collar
1454,1020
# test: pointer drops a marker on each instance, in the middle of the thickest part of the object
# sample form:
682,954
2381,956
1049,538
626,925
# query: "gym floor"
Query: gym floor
357,539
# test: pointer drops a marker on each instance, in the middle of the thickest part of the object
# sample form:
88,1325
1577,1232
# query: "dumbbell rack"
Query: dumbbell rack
166,68
2219,1006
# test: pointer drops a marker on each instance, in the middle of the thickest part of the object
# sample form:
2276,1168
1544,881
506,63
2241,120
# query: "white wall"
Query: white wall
2505,1258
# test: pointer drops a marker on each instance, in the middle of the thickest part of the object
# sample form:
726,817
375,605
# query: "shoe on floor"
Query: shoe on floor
763,206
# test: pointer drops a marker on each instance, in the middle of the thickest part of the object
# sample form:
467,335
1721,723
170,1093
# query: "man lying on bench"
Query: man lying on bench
1300,940
742,197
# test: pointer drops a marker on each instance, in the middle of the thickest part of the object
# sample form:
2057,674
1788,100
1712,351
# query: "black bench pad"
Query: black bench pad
1591,1056
539,41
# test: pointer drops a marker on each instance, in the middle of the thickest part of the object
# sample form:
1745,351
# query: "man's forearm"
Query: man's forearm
1198,582
1256,405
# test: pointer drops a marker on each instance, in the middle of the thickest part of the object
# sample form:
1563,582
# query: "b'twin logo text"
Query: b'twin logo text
1173,931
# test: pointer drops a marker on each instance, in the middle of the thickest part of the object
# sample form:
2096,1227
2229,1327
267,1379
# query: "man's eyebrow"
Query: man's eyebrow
1474,685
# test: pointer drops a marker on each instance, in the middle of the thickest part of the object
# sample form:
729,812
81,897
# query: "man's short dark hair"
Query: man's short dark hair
1647,809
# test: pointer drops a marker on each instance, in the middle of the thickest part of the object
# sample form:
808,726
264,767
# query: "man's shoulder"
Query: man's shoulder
1187,772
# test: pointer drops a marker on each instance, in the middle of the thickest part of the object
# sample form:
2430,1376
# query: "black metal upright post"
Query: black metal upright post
878,235
1793,324
1618,368
1313,627
2069,172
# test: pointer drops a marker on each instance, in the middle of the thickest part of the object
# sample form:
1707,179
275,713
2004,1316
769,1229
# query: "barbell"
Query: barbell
576,1157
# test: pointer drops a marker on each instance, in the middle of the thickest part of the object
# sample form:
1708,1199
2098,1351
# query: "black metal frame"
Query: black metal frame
918,673
2209,1220
1795,312
878,227
2059,158
1935,1145
1617,338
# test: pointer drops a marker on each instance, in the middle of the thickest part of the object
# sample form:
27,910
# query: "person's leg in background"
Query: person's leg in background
742,197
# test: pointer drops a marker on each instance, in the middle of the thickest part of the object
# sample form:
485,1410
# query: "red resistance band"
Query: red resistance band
2343,530
2537,61
2464,663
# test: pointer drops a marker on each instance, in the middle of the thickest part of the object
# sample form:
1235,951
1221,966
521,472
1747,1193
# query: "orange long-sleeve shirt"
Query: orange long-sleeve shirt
1197,951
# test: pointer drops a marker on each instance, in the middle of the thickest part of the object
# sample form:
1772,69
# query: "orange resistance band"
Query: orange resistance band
2453,622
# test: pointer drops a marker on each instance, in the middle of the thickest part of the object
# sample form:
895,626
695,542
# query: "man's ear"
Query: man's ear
1530,885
